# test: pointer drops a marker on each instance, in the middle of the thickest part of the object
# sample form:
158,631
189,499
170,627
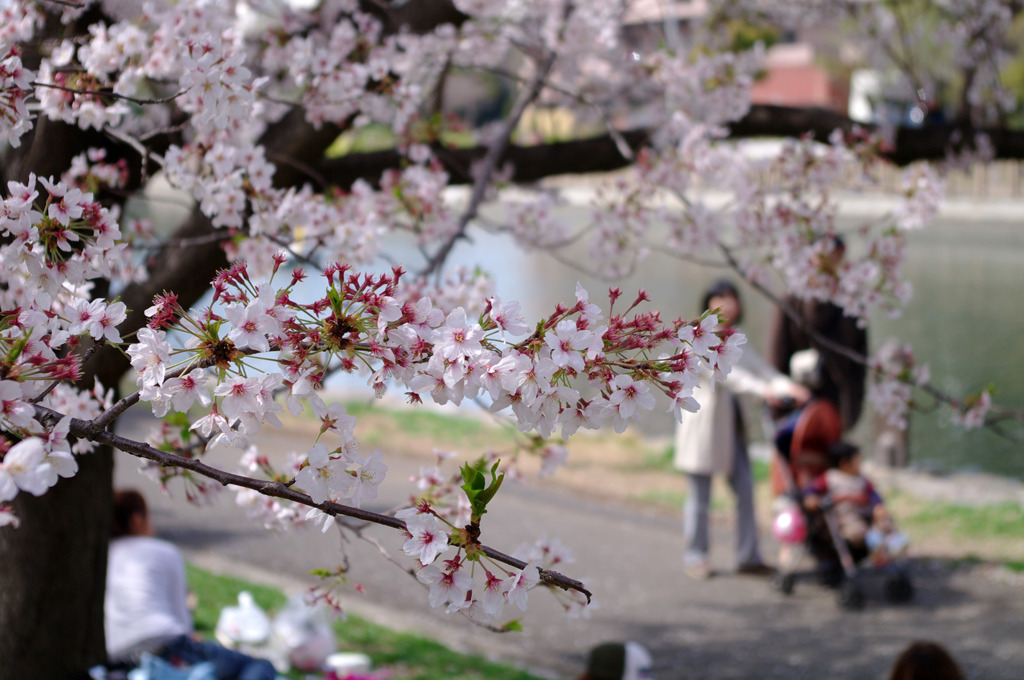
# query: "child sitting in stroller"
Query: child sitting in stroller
864,523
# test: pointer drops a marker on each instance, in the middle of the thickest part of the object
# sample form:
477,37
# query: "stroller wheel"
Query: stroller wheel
899,589
851,597
831,576
784,583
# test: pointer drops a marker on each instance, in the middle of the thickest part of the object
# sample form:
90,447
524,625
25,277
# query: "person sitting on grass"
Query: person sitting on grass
145,608
618,661
864,522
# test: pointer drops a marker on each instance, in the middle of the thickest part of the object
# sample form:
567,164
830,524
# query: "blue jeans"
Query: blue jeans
228,664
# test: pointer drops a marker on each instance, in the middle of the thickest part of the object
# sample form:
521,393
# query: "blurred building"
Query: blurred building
806,69
795,76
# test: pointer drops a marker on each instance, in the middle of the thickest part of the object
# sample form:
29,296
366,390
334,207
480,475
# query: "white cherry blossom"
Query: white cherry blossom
25,468
517,585
324,478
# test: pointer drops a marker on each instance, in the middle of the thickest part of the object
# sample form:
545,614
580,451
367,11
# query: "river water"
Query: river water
966,319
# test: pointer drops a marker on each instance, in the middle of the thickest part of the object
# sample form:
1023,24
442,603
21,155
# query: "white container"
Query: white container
343,664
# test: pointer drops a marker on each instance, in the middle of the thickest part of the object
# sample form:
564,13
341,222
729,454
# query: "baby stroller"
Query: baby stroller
803,439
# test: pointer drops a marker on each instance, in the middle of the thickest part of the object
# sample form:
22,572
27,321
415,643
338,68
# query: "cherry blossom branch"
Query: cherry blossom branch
186,242
490,162
53,385
602,154
144,152
102,421
408,571
997,413
91,431
616,135
787,309
310,170
109,93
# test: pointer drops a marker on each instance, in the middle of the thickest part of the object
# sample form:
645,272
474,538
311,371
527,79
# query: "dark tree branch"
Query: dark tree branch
530,163
491,159
993,419
421,16
602,154
86,430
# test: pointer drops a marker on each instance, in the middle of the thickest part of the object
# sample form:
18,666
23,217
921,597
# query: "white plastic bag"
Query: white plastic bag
243,625
302,634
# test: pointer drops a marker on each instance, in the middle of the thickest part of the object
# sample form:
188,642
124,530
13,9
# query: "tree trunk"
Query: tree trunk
53,574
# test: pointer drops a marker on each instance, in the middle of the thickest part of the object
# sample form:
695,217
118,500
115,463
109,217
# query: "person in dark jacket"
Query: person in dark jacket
841,379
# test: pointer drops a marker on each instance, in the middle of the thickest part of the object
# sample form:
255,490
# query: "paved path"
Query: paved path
727,627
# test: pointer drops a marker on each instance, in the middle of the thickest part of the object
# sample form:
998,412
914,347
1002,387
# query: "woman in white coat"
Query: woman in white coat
712,442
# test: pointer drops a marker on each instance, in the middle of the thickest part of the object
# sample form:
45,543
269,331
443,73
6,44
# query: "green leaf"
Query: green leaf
477,488
177,419
513,626
17,348
334,297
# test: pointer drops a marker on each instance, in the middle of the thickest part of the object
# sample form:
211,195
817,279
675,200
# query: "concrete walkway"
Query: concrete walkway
727,627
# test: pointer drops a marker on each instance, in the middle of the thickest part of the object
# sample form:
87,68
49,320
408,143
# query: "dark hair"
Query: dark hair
840,452
722,288
926,660
127,504
606,662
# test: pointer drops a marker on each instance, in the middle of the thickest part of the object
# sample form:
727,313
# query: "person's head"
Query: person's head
805,368
722,295
835,251
131,517
846,457
925,660
618,661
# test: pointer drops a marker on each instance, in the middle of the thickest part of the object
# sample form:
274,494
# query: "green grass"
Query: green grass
1002,520
970,560
760,470
418,658
378,423
672,499
459,138
655,459
662,460
408,656
375,137
427,424
215,592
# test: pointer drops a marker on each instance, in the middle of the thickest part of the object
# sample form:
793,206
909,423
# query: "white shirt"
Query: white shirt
146,591
706,440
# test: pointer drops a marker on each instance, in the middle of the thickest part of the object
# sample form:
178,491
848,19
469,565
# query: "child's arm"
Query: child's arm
882,520
813,493
879,513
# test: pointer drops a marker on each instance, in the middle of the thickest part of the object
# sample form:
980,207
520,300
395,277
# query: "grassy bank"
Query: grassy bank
632,470
405,656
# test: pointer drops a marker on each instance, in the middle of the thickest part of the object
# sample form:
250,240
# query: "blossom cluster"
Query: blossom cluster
41,456
14,88
469,582
971,414
895,373
577,369
453,582
56,240
201,89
